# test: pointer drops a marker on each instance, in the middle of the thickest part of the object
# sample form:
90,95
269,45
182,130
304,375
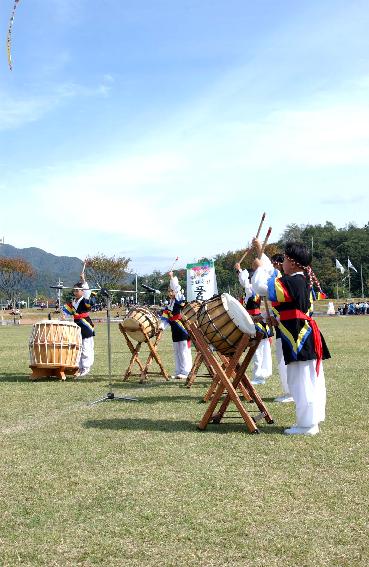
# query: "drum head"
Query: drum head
130,324
56,322
137,320
238,314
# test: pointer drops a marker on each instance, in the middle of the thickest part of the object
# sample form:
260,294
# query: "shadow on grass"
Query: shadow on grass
15,377
168,426
159,399
26,378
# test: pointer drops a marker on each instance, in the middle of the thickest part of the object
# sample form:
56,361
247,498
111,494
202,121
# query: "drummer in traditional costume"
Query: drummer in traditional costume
79,309
303,345
274,267
171,316
262,359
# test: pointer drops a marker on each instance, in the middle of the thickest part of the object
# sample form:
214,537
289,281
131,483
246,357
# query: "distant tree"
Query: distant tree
156,280
14,274
292,232
328,243
160,281
107,272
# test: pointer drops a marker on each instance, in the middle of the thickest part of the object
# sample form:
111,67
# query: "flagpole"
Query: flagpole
362,283
349,278
337,284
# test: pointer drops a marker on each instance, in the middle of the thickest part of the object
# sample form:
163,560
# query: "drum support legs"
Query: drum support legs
227,378
45,371
154,355
199,359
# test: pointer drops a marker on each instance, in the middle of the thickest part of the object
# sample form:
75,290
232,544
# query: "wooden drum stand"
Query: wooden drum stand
144,368
229,375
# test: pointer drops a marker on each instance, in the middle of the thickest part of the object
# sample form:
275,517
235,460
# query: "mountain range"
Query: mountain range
48,268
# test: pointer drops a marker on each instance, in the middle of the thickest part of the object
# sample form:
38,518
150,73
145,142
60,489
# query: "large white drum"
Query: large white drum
223,321
55,343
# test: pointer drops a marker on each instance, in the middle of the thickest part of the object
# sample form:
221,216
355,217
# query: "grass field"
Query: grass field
136,484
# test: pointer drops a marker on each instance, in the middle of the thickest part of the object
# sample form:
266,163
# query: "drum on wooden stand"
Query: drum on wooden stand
139,319
224,321
55,343
189,311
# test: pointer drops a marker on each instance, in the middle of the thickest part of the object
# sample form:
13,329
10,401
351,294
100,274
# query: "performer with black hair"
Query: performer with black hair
303,345
171,316
79,308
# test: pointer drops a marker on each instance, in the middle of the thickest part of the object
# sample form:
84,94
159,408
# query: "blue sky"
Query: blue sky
156,129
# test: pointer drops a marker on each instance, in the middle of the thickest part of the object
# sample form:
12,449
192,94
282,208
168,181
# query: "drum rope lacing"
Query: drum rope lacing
211,323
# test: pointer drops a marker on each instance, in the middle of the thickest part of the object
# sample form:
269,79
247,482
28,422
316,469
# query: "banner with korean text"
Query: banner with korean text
201,281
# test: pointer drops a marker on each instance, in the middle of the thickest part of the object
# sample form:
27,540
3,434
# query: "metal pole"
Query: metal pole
136,289
362,283
110,395
109,339
348,275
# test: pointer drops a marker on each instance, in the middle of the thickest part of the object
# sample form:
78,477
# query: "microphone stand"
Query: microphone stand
110,396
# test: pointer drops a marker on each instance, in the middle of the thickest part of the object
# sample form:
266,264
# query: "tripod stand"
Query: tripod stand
110,396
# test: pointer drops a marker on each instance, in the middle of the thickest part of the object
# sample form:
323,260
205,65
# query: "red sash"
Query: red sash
80,316
253,311
318,346
177,317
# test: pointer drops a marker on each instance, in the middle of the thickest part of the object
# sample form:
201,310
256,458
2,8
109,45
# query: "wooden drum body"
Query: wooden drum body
189,311
139,318
55,343
223,321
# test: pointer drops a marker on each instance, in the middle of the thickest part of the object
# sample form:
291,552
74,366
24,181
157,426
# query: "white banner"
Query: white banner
201,281
339,266
349,265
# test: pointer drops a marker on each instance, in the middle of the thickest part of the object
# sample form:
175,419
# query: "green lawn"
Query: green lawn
136,484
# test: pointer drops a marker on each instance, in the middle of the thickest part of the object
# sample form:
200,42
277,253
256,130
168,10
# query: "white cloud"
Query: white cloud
127,194
15,111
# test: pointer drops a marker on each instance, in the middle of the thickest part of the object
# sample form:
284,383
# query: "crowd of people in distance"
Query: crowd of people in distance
352,308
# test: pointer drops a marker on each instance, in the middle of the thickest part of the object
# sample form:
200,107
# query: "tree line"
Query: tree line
326,242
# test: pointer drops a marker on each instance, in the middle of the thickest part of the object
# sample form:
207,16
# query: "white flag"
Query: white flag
349,265
339,266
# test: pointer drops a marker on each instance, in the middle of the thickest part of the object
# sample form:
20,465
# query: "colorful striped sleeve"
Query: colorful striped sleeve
277,291
68,309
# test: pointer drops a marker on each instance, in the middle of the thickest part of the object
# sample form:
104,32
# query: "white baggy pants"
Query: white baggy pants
87,354
182,358
282,367
262,361
308,391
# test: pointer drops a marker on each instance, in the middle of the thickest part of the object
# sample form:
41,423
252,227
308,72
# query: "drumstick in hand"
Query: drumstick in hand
265,299
265,242
176,260
248,250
